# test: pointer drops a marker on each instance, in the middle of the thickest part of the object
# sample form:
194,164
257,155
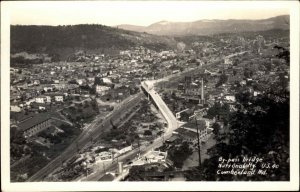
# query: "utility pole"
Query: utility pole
198,138
139,146
104,167
91,138
77,146
86,171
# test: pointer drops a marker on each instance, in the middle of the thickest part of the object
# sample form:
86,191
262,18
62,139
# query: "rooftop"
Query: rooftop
193,124
187,133
32,121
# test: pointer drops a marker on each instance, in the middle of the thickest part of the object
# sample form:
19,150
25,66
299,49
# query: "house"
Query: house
59,98
14,107
178,113
122,148
34,124
243,82
48,88
104,156
60,86
40,99
56,81
230,98
101,89
202,126
80,81
48,99
106,80
227,61
187,135
155,157
36,82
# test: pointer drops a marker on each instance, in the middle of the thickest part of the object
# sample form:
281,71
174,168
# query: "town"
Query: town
104,117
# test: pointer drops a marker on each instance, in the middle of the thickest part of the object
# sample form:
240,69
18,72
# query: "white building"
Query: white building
80,81
15,108
230,98
104,156
40,99
121,149
48,99
36,82
106,80
59,98
100,89
48,89
155,157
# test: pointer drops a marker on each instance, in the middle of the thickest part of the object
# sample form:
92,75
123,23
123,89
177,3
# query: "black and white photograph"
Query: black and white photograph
189,95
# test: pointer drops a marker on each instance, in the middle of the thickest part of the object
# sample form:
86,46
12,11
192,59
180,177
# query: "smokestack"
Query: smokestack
202,90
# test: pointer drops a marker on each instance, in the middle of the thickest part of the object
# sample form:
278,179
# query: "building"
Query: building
80,81
155,157
48,99
36,82
202,125
101,89
178,114
187,135
193,90
14,107
59,98
34,124
104,156
121,149
40,99
227,61
48,88
230,98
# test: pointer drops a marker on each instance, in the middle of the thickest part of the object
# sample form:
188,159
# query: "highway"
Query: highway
148,86
172,122
95,129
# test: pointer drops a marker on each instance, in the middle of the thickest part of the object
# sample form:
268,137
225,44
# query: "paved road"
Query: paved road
163,108
92,131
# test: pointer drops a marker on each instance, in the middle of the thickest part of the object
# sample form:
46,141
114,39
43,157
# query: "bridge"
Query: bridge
148,89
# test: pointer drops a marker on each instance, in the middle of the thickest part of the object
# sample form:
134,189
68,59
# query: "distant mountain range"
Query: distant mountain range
210,27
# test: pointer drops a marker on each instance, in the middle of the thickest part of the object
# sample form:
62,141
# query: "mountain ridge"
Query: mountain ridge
210,27
65,40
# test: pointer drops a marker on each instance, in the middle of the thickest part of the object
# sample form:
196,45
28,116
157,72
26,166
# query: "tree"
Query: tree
283,53
180,154
147,132
216,129
234,72
223,79
184,116
136,173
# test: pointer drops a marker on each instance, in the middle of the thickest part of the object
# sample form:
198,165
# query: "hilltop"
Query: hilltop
65,40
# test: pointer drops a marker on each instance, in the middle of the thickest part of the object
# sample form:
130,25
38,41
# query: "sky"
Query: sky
142,13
